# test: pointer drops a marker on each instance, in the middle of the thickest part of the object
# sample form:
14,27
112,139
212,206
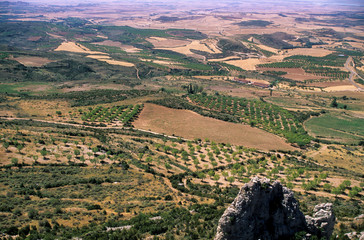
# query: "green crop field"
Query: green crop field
338,128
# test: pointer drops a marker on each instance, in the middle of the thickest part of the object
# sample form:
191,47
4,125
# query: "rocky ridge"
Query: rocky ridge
265,210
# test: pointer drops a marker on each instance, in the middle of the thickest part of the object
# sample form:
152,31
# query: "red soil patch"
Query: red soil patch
34,39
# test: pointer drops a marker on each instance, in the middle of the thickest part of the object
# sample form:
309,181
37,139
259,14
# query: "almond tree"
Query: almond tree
6,145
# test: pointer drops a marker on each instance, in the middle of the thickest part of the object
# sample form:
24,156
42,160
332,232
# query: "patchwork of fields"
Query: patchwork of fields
142,120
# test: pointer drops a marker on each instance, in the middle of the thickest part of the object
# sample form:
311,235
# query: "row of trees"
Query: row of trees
125,114
257,113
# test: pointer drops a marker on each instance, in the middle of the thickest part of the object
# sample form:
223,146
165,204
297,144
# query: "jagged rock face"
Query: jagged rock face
261,211
355,235
323,221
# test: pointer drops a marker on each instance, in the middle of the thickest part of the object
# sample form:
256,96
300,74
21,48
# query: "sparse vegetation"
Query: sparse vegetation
77,163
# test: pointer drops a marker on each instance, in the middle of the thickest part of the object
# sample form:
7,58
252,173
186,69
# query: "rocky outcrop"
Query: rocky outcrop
261,211
355,235
323,221
265,210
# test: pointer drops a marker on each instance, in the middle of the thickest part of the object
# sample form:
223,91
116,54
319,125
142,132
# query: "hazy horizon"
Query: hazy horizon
71,2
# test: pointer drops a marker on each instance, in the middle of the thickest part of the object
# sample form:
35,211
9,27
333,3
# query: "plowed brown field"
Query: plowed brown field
191,125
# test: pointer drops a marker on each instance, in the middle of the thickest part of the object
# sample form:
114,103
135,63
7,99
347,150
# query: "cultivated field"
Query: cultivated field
75,47
194,45
111,61
338,128
190,125
127,114
159,42
314,52
33,61
247,64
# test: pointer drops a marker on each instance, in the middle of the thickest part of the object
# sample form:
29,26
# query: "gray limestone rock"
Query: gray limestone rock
265,210
323,221
261,211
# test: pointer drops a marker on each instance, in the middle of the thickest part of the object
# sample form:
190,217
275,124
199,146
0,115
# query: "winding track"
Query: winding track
348,65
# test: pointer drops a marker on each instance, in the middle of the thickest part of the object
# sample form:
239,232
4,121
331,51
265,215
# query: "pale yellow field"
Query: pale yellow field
340,88
246,64
270,49
159,42
314,52
196,45
75,47
55,36
212,44
101,36
33,61
110,61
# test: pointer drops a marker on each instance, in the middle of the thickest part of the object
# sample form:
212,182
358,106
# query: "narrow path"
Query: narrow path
137,72
352,73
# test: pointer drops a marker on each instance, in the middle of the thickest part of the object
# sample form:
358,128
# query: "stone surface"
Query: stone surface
261,211
323,221
265,210
355,235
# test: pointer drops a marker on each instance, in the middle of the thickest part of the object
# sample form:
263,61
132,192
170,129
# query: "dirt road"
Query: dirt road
353,74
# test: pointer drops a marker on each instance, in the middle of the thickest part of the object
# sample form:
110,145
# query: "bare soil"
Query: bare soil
191,125
33,61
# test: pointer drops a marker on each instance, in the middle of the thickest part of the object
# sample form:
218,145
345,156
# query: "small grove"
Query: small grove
320,66
124,114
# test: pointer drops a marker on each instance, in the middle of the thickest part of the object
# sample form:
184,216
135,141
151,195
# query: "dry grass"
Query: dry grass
341,88
33,61
328,84
314,52
309,89
212,45
191,125
107,59
41,108
196,45
339,157
75,47
246,64
159,42
270,49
